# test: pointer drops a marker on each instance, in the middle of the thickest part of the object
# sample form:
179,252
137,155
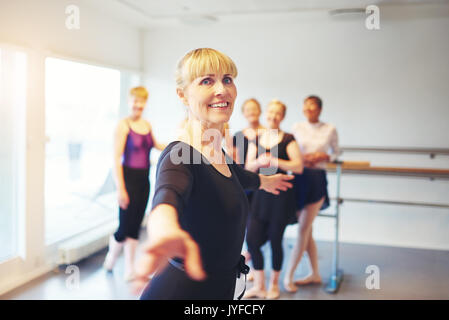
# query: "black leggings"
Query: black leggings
260,231
138,187
174,284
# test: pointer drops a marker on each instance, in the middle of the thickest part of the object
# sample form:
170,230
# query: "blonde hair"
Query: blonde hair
139,92
280,103
200,62
251,100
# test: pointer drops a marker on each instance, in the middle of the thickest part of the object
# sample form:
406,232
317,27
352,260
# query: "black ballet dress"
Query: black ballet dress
270,214
213,209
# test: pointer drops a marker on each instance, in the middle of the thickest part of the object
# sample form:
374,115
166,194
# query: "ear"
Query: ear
181,95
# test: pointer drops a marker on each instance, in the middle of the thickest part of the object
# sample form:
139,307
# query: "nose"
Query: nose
219,88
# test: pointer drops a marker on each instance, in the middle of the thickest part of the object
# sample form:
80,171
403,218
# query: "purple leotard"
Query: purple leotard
137,150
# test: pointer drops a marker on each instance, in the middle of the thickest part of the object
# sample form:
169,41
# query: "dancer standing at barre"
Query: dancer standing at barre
315,138
270,214
134,140
198,218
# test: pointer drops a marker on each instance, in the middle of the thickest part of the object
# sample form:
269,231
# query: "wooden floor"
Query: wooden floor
404,274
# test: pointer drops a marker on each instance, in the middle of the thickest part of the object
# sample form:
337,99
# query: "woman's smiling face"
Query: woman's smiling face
251,111
275,115
211,97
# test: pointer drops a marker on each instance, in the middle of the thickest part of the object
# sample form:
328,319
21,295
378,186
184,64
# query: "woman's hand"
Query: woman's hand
311,159
264,160
275,182
167,240
123,199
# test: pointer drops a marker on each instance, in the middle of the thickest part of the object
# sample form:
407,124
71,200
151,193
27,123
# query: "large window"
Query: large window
12,111
82,108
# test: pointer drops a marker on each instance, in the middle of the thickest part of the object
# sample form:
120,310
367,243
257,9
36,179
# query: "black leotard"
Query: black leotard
270,213
243,148
212,208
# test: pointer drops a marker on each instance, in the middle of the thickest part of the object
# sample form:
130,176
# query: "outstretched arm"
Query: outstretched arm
167,240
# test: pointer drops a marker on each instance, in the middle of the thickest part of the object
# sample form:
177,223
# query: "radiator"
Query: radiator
86,244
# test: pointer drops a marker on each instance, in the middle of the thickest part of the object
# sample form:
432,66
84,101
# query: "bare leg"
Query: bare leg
114,250
258,290
273,289
305,230
312,251
130,253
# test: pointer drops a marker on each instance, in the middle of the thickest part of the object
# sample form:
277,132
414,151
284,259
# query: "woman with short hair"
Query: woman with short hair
315,139
134,139
197,223
270,214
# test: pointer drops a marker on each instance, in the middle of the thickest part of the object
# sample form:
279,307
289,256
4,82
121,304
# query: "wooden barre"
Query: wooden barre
364,167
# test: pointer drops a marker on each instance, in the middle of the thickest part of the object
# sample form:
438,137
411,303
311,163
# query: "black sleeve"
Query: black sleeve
289,138
173,183
248,179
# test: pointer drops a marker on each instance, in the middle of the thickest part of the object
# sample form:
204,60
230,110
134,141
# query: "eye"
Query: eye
206,81
227,80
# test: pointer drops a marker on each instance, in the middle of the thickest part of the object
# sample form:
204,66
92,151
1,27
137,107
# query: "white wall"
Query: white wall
39,29
380,88
42,25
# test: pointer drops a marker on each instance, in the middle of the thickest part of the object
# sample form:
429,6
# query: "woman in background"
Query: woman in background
134,139
269,213
315,139
251,111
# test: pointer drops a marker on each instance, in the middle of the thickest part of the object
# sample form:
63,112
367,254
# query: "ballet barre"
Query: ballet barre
337,274
354,167
432,152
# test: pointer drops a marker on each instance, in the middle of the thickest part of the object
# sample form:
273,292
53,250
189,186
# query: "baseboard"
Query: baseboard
23,279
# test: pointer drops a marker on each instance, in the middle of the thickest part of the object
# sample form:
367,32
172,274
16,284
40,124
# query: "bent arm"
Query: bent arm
157,145
294,163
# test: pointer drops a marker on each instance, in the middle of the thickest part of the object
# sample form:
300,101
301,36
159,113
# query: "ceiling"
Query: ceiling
146,14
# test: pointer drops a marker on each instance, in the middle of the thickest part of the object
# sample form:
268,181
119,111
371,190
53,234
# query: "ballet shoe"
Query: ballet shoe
273,293
308,280
255,293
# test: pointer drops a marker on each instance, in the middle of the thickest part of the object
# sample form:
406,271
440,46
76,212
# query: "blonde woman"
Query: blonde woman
134,140
197,223
251,111
270,214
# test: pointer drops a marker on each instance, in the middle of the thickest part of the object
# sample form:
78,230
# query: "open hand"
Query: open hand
275,182
164,244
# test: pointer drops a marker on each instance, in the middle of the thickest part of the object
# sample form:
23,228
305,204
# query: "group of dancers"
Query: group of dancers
204,204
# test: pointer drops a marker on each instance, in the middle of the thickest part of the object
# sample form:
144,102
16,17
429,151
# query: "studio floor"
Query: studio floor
404,274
